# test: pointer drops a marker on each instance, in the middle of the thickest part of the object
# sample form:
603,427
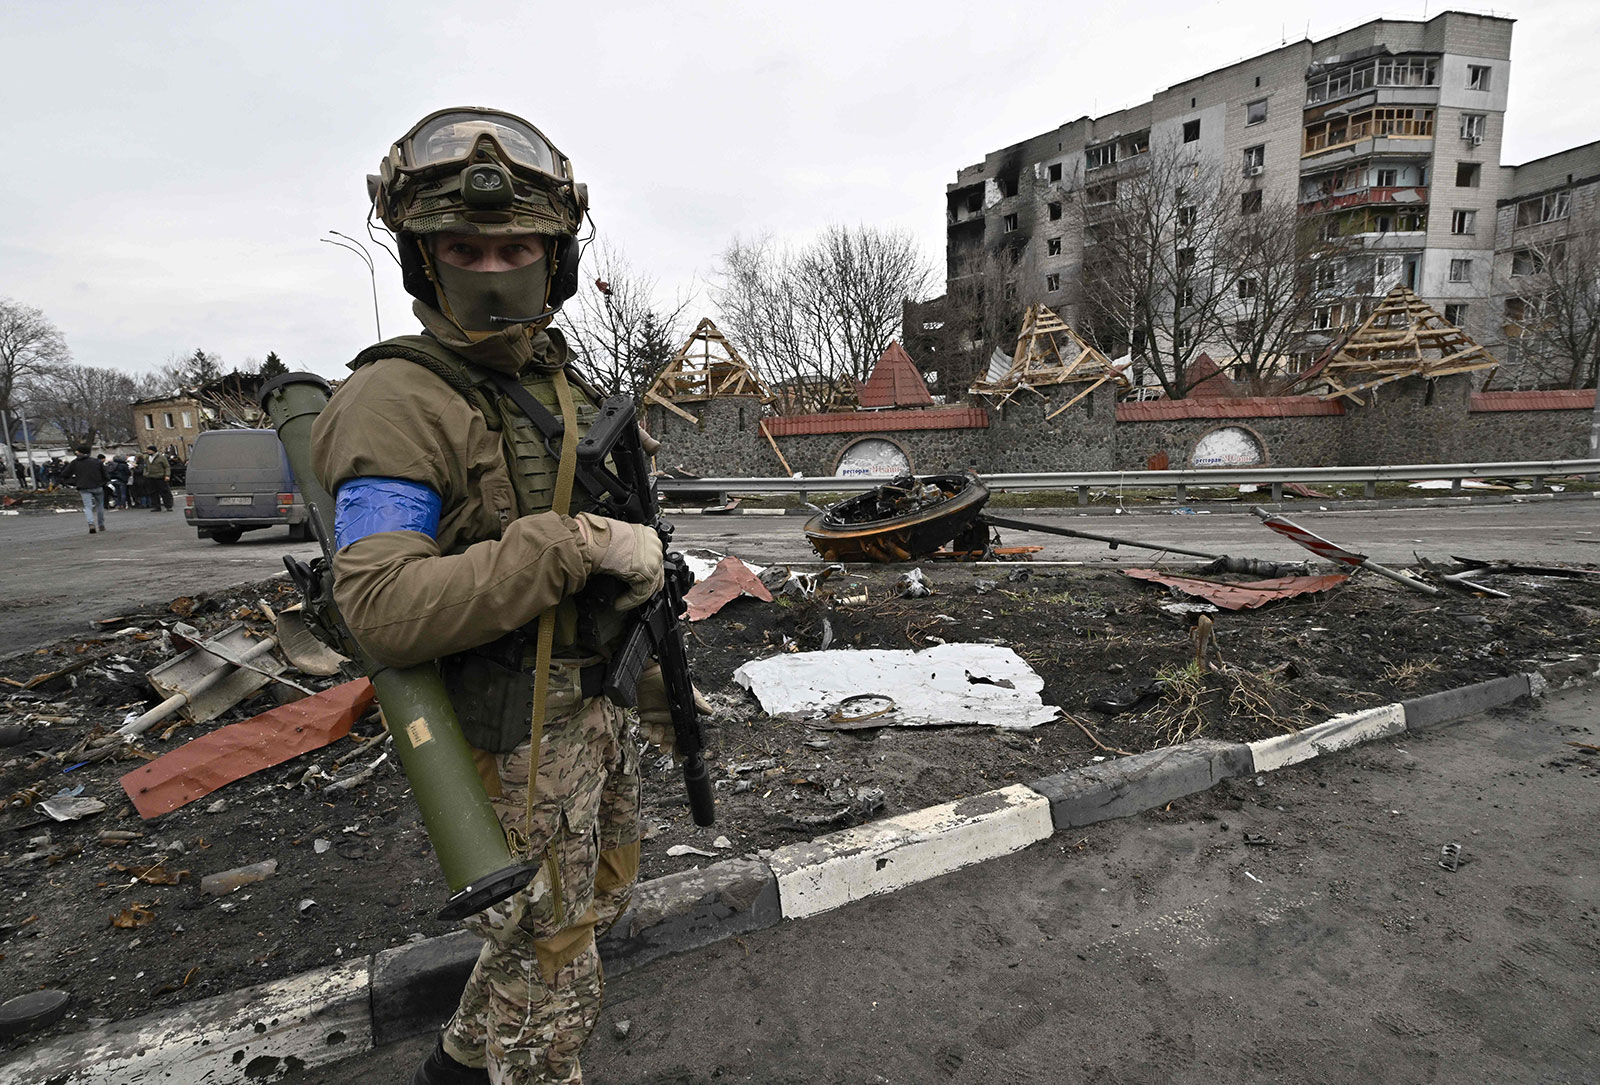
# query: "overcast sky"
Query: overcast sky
170,167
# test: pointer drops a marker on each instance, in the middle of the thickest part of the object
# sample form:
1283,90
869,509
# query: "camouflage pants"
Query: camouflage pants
534,994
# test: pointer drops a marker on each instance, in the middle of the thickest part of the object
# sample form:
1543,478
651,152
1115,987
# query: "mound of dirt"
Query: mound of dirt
110,909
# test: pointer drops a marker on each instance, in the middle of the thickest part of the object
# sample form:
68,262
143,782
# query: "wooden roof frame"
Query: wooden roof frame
1394,343
1038,362
696,376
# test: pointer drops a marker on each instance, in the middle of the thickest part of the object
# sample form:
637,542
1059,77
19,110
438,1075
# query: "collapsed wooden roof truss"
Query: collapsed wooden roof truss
1049,353
1404,337
706,367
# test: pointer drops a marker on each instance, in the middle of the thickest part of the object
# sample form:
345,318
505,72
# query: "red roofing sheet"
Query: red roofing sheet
199,767
1167,410
894,382
1245,595
799,425
1555,399
729,580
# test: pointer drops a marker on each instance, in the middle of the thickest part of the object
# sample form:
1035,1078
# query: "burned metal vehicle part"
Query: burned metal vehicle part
905,518
911,517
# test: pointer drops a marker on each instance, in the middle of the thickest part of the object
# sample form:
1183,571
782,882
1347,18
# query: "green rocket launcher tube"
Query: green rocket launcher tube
462,827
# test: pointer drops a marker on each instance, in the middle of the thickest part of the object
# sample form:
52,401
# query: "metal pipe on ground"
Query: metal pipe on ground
167,707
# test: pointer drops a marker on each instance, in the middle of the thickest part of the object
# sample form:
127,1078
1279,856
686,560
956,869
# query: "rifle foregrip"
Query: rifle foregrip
622,681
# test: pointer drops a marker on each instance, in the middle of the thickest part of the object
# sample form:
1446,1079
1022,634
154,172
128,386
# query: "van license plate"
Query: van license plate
234,500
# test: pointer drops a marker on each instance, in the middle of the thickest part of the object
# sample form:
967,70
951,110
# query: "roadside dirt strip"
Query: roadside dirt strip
329,1014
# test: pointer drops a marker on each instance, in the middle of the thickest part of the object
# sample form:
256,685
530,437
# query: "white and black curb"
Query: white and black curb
320,1017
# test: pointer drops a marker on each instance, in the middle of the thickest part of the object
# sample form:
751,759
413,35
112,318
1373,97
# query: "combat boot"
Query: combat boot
440,1069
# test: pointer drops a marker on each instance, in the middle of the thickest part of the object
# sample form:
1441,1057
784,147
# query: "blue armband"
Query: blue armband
367,506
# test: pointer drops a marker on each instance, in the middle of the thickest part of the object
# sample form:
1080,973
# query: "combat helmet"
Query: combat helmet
471,170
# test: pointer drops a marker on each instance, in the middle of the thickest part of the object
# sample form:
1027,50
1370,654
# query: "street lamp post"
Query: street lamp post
352,245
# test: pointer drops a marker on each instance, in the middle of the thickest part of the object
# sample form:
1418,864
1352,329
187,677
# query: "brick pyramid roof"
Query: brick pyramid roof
1208,381
894,382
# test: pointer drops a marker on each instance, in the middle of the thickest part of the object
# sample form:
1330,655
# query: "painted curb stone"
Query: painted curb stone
1131,785
690,909
415,987
1339,733
1453,704
882,856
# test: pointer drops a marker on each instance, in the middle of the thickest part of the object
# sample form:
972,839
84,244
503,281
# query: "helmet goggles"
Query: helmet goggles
453,137
477,171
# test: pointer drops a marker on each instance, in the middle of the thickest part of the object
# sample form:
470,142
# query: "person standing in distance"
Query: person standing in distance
89,476
156,474
460,538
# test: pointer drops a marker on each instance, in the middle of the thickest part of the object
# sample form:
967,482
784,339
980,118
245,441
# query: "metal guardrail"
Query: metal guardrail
1180,481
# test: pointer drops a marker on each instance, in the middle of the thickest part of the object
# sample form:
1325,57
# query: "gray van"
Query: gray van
239,480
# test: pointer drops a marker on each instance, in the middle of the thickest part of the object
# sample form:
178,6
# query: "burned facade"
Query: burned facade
1385,137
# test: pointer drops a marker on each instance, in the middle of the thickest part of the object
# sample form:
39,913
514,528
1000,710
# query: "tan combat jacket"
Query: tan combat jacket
406,597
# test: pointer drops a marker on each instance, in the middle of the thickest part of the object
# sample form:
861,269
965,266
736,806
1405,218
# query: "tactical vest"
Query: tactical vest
491,685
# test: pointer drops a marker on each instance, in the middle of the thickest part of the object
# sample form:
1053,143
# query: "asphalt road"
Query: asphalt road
1163,948
56,577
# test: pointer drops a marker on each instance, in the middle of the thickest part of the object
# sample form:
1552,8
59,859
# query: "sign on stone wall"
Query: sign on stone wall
1230,446
875,457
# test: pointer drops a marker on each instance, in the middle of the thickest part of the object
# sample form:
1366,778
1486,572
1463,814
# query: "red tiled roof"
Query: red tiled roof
798,425
1165,410
1558,399
894,382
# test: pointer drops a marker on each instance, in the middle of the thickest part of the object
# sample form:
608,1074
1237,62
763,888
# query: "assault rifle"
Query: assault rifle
625,491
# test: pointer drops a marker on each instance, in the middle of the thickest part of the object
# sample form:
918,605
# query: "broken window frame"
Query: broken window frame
1188,214
1054,210
1250,202
1255,158
1137,144
1455,312
1322,318
1251,116
1008,224
1474,126
1053,172
1479,76
1052,246
1008,186
1100,156
1248,288
1191,131
1549,207
1052,282
1396,71
1460,269
1463,221
1473,171
1101,194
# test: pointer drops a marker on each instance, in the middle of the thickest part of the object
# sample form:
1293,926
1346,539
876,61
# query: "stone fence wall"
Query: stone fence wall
1408,421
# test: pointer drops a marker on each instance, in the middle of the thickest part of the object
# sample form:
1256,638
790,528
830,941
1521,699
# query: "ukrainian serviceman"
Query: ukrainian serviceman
460,539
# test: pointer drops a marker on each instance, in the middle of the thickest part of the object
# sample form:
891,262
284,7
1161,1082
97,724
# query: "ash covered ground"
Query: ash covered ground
355,874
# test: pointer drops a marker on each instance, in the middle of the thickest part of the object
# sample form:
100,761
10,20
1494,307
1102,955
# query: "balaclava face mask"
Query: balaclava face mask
470,298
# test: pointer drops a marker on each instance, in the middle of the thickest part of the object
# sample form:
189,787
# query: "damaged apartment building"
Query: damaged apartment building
1388,134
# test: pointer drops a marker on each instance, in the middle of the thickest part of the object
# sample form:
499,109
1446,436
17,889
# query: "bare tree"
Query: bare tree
1553,309
87,403
1155,270
30,348
816,318
620,332
1273,270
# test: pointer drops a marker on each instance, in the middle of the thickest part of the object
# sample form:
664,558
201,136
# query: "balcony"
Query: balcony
1363,197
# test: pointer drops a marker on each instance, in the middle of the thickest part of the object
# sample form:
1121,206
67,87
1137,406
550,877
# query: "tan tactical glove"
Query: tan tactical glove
655,715
629,552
